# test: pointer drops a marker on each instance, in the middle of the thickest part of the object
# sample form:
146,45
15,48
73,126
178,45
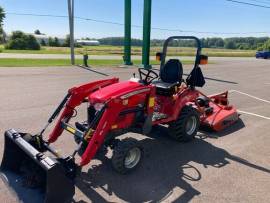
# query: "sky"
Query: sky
196,15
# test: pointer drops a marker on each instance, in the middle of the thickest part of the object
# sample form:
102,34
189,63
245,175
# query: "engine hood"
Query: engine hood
108,92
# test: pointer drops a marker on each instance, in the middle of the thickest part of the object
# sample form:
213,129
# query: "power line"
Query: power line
37,15
249,4
136,26
224,33
262,2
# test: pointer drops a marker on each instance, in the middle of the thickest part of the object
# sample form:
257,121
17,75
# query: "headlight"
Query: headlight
98,106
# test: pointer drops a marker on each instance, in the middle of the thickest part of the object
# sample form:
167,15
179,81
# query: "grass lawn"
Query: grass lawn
66,62
118,50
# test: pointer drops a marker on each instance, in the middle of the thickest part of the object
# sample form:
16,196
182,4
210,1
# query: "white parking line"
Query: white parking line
254,97
253,114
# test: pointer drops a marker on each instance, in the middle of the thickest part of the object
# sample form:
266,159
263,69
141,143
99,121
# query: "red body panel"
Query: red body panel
172,106
111,117
108,92
220,118
223,114
105,124
78,94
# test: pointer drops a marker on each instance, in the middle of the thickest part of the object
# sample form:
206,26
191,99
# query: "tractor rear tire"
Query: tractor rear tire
185,128
127,155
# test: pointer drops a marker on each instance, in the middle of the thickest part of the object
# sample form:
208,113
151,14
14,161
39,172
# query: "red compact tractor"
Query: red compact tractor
115,108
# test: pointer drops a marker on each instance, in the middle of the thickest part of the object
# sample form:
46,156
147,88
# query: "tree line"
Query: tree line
245,43
19,40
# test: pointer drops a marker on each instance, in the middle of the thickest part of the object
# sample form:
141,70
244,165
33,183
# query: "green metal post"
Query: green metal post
127,47
146,33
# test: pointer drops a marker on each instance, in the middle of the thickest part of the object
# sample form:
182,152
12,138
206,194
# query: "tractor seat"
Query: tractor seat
170,78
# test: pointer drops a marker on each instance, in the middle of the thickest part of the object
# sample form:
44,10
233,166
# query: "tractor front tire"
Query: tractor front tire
127,155
185,128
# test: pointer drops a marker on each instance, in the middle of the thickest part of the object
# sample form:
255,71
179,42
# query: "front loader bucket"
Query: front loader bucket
48,172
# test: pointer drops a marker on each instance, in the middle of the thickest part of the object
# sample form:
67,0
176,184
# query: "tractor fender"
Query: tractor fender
186,98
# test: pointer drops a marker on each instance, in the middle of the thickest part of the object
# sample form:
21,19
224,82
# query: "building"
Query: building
87,42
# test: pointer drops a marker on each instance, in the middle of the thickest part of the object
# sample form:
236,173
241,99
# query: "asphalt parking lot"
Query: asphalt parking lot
230,166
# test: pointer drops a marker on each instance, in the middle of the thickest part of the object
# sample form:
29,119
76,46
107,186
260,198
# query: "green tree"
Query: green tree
266,46
43,43
53,42
32,43
2,33
56,42
243,46
230,44
37,32
67,41
19,40
16,35
219,43
50,42
2,15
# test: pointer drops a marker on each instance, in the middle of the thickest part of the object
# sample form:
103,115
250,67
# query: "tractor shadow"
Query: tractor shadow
208,133
166,166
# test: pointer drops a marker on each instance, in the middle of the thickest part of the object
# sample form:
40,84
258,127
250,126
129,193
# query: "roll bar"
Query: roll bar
166,43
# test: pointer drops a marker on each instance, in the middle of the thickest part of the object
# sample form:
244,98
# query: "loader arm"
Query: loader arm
109,116
111,111
77,96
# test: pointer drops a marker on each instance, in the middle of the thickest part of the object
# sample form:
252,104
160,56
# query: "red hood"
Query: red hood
108,92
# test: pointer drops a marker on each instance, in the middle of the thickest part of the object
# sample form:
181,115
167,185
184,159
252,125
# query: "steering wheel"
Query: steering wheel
148,74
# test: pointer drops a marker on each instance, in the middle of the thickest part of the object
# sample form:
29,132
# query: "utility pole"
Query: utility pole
146,33
71,29
127,47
